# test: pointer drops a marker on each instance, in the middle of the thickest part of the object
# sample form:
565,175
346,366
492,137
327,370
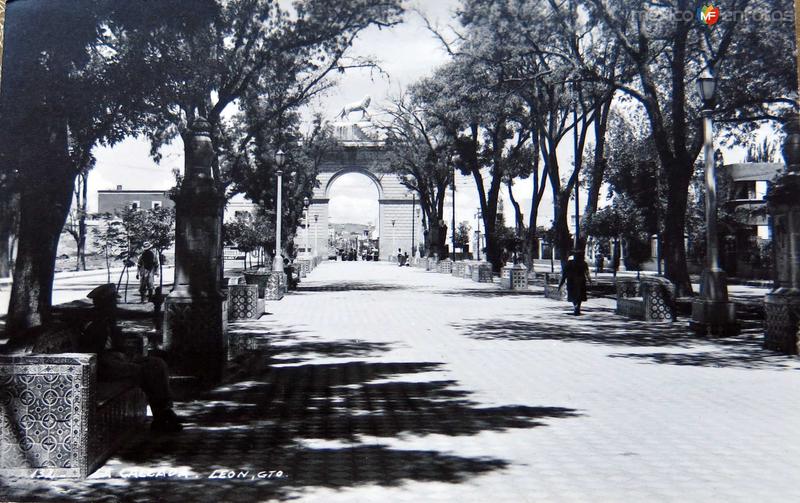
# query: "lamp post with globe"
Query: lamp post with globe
712,313
277,264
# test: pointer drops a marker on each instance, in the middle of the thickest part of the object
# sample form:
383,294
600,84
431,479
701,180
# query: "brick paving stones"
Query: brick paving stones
379,383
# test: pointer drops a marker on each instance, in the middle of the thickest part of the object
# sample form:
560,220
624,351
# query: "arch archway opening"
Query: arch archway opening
354,214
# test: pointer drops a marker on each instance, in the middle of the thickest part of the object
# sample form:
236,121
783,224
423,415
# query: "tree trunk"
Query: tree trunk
519,225
563,237
47,195
82,209
9,213
597,174
673,245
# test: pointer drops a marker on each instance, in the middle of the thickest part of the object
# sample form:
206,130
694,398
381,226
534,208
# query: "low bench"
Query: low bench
431,264
56,419
649,299
244,303
514,277
551,289
481,272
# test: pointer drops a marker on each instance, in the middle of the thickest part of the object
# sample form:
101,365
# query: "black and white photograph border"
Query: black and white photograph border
399,250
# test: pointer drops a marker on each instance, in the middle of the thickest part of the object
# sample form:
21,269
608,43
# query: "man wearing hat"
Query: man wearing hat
148,267
102,337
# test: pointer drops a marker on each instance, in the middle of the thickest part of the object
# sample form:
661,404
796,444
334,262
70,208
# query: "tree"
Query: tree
111,238
421,154
463,234
62,97
76,220
666,51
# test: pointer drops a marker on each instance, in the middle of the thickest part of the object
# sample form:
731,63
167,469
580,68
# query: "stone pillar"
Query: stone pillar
194,312
782,304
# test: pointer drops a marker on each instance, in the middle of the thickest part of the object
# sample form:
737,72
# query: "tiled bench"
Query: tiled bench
551,289
649,299
57,420
243,303
481,272
514,277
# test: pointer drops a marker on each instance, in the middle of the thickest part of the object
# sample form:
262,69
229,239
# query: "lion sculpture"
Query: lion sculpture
355,107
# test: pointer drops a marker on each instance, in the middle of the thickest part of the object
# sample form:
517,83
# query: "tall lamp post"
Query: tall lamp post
277,264
456,160
478,217
413,225
712,313
306,202
316,242
392,253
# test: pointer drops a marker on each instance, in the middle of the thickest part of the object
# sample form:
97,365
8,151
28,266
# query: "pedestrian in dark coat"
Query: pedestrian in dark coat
576,276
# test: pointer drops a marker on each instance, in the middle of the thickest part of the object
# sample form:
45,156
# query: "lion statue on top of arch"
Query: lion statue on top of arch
356,107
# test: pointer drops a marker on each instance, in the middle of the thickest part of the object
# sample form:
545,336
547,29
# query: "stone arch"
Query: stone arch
399,222
353,169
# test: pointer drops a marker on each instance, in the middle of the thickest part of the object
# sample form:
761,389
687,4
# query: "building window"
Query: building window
156,204
135,205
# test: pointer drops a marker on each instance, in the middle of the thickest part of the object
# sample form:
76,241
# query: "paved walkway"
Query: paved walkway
376,383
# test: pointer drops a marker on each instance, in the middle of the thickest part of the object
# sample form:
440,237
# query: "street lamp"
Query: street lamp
277,264
456,160
306,202
712,312
413,225
392,253
478,217
316,242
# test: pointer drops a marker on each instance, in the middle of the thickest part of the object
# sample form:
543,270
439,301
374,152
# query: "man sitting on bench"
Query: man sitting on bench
103,337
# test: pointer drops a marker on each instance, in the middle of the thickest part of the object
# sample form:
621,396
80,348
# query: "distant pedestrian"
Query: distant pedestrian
598,263
147,268
576,276
399,257
405,260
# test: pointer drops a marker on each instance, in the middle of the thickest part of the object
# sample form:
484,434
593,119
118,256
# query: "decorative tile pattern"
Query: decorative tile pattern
46,402
243,302
276,286
782,321
514,277
444,266
458,269
259,279
627,287
482,273
659,299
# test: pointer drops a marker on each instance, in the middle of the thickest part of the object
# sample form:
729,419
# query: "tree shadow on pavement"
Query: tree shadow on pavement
601,326
743,351
323,425
490,293
350,286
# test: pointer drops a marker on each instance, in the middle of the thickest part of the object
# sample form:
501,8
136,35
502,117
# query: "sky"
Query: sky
407,52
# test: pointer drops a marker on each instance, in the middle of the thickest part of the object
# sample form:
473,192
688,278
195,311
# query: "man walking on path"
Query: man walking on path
576,275
148,267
